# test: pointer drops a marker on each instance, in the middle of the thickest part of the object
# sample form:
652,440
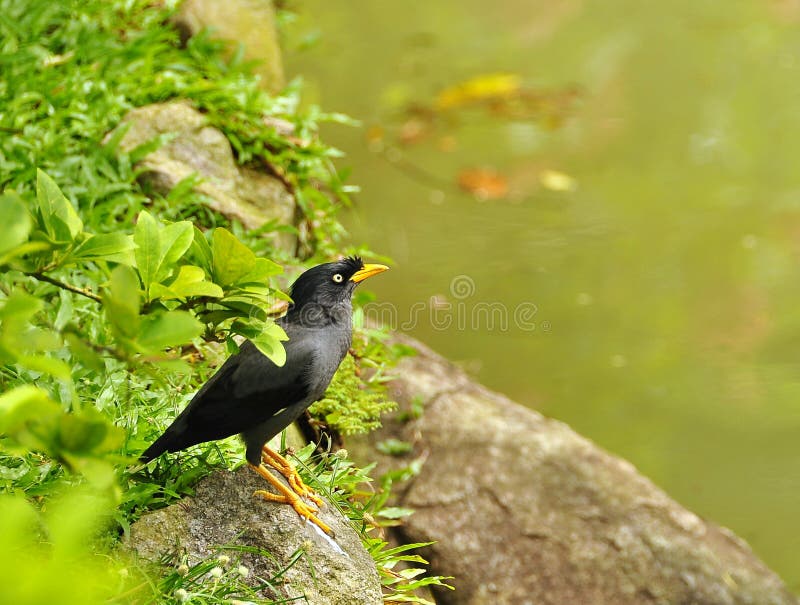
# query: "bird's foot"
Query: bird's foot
287,495
284,467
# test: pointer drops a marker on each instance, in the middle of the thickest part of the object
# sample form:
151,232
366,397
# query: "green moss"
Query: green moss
350,406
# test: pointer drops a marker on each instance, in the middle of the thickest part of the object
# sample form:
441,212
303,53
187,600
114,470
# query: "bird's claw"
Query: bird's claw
305,511
284,467
288,495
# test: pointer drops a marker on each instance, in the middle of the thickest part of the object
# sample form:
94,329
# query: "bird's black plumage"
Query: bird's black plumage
252,396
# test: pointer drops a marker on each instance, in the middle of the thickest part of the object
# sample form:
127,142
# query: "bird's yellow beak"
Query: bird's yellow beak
367,271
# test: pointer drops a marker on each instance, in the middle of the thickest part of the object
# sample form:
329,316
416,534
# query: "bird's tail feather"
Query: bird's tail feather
158,447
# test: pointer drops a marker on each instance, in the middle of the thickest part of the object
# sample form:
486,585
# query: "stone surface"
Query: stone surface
197,148
525,511
225,512
249,22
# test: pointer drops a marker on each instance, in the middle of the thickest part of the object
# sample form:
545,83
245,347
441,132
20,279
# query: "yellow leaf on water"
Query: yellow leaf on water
479,88
555,180
483,183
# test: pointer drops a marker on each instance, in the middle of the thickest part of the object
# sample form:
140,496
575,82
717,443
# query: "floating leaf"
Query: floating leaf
23,249
479,88
555,180
485,184
83,353
31,419
89,433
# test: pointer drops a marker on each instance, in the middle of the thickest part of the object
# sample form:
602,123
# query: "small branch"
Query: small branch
276,172
64,286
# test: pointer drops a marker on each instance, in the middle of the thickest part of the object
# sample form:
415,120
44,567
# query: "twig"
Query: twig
64,286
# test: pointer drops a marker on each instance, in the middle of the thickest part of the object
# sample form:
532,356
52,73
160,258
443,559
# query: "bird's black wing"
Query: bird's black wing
245,392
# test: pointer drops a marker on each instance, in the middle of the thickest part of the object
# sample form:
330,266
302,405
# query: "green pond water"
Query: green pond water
652,301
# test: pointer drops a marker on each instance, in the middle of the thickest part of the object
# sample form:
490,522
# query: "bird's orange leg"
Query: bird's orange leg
286,495
272,458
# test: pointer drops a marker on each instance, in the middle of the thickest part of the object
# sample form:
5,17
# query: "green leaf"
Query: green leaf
394,447
103,246
62,222
333,417
261,272
111,145
83,353
144,149
276,332
175,241
20,306
191,281
23,404
201,251
232,260
30,418
15,220
395,512
159,248
121,301
269,343
88,433
22,250
148,249
46,365
168,329
218,316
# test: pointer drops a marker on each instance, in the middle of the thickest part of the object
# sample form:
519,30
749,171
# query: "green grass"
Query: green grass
72,70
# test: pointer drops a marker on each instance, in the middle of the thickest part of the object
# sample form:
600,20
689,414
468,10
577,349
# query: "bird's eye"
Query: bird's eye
338,278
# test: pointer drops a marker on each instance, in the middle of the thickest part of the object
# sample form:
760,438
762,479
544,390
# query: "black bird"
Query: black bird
252,396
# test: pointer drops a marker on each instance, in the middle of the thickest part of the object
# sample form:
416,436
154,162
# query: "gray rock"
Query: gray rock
525,511
225,512
249,22
197,148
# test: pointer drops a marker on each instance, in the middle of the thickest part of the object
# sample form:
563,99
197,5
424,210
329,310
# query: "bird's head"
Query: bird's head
325,288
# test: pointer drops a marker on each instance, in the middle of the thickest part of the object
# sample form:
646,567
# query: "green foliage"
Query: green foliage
398,578
394,447
151,276
348,407
22,343
83,440
108,292
51,557
71,71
